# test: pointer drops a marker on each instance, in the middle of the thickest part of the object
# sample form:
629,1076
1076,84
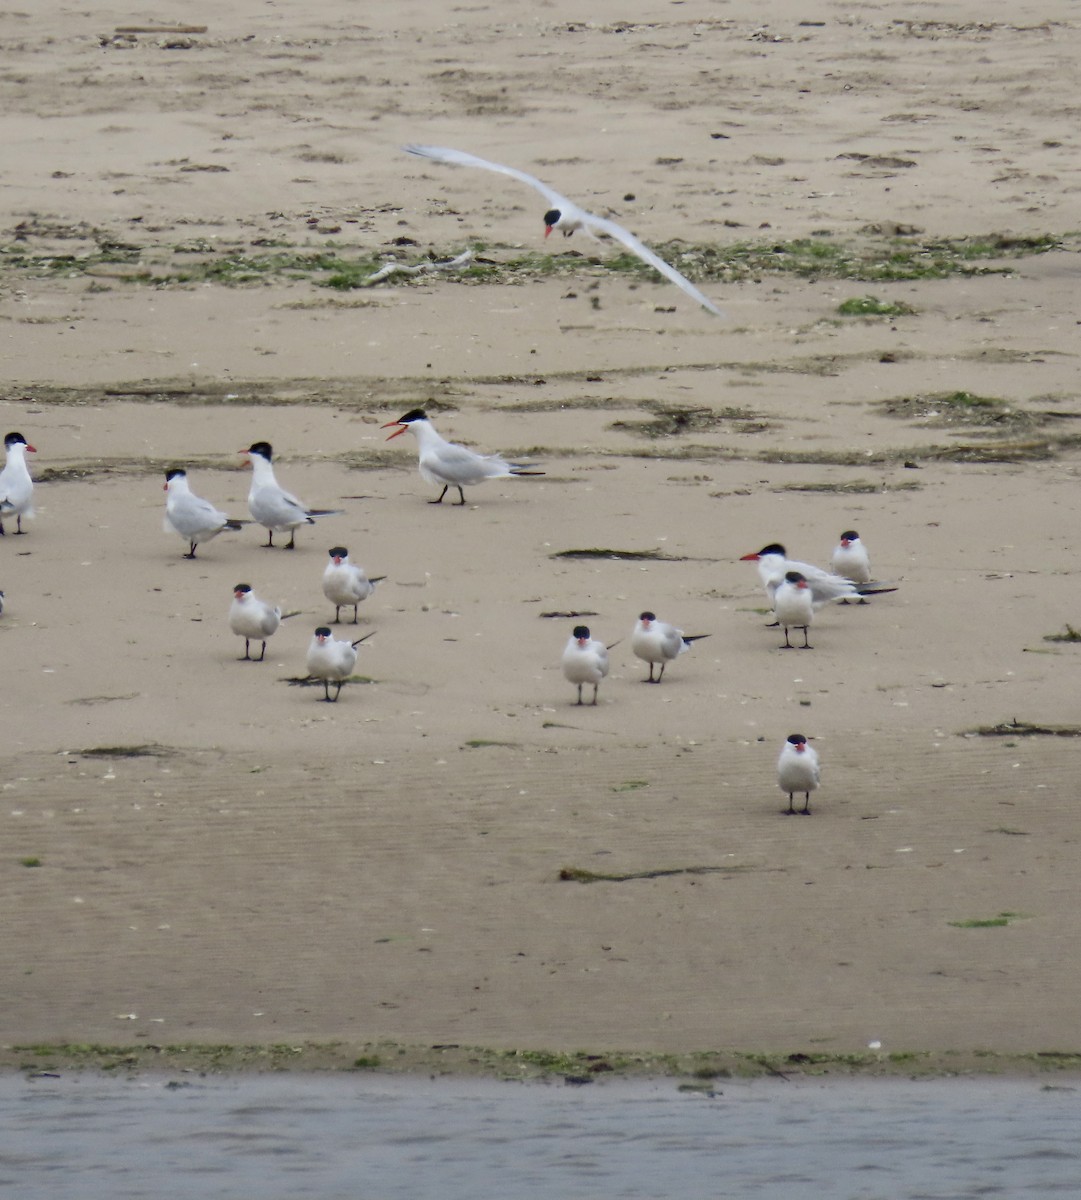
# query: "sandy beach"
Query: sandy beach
196,849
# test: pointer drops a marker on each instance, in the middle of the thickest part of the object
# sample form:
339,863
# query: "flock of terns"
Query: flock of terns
795,590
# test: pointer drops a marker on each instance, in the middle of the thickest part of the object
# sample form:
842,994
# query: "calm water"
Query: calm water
405,1139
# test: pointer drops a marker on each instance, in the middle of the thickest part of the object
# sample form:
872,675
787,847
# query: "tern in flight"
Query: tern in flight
566,216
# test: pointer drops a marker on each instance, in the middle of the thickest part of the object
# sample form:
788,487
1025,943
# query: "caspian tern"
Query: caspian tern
331,660
773,566
798,771
195,519
656,641
16,486
850,559
585,660
566,216
271,505
794,607
252,619
448,463
345,583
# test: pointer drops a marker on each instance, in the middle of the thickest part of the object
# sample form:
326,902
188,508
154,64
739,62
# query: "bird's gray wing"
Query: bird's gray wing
603,225
445,154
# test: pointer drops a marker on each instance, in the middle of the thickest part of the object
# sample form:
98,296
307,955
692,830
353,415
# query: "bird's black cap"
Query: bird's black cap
773,548
794,577
552,216
647,616
15,439
414,414
242,587
581,631
322,631
262,448
797,739
173,472
338,552
849,535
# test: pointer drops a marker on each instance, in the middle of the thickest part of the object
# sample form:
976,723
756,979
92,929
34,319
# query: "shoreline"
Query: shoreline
698,1070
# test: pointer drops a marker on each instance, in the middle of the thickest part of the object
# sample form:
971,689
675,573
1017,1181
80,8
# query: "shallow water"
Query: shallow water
371,1138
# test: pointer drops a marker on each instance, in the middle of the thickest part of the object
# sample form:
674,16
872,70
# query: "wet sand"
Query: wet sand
197,851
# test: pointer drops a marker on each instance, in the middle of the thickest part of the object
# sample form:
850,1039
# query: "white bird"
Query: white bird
271,505
850,559
195,519
332,660
656,641
345,583
16,486
566,216
798,771
448,463
585,660
773,565
252,619
794,607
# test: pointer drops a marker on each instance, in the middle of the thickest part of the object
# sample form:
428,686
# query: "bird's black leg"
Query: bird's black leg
2,533
292,543
191,551
337,615
806,644
806,804
269,539
262,653
461,495
660,673
579,693
19,524
356,615
339,691
787,644
595,686
247,655
791,810
441,495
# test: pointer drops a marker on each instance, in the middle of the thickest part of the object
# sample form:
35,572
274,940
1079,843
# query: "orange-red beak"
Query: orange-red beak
397,432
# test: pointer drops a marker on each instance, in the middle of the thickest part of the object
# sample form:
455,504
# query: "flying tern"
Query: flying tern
252,619
195,519
656,641
16,486
448,463
271,505
332,661
585,660
566,216
798,771
794,607
345,583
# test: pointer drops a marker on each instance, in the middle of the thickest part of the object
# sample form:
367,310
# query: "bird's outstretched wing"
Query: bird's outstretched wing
594,224
603,225
445,154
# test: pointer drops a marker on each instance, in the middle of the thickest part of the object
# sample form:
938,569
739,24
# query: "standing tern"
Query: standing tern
850,559
195,519
448,463
566,216
271,505
798,771
656,641
331,660
773,565
16,486
585,660
345,583
794,607
252,619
